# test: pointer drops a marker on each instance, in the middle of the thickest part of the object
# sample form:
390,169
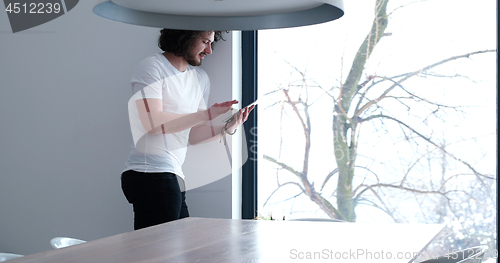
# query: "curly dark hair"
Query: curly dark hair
179,42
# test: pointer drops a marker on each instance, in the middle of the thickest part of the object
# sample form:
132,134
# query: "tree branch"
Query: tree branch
279,187
368,187
284,166
336,170
433,143
414,73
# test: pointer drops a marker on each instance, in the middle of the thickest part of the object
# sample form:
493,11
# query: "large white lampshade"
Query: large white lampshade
221,14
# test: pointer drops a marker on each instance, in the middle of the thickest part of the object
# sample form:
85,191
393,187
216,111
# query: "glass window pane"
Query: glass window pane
407,135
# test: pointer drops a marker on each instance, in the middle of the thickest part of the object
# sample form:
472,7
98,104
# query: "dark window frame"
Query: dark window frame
249,94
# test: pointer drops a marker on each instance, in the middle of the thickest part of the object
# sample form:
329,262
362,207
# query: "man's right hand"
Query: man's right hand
220,108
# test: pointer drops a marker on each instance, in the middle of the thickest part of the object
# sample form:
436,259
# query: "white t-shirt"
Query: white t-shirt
181,92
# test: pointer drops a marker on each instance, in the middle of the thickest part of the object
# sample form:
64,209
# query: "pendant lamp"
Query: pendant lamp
221,14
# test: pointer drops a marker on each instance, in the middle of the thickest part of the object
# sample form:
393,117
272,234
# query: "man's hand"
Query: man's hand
205,133
239,118
220,108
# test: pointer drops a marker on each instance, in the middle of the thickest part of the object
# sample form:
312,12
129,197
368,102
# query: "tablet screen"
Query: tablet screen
253,103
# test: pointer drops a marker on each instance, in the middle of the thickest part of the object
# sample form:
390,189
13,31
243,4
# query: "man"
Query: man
168,111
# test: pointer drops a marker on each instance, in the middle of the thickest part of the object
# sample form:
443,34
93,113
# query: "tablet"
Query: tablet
249,105
253,103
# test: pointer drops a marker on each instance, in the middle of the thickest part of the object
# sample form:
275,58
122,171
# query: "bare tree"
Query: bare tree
359,100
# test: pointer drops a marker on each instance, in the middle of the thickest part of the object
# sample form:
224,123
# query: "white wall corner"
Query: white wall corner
238,137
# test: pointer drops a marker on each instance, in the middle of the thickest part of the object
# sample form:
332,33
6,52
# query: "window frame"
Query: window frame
249,94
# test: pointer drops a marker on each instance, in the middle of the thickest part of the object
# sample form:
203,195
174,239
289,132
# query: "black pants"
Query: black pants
156,197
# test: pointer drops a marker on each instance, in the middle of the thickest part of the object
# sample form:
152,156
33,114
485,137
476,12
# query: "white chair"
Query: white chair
60,242
7,256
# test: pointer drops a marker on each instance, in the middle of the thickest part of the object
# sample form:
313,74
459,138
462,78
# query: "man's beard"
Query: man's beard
191,59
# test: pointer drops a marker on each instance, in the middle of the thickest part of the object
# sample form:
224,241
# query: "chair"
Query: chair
469,255
60,242
7,256
317,219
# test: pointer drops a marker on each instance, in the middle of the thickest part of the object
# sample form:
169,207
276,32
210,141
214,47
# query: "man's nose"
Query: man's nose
208,49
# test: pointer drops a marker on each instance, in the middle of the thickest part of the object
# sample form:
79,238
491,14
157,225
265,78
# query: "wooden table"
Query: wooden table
230,240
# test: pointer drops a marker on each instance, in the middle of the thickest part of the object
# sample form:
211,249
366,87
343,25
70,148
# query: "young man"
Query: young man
167,111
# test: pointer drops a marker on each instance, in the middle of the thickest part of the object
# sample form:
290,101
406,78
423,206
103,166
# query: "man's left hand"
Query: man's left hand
239,118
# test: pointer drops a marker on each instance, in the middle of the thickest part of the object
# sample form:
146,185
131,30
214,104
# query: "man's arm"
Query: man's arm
155,120
202,133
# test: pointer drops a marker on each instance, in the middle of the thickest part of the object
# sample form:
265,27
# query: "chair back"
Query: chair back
60,242
7,256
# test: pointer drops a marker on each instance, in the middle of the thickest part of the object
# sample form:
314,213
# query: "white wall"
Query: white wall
64,134
207,167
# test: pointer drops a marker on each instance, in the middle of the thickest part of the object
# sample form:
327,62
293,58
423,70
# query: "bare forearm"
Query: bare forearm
204,133
155,120
168,123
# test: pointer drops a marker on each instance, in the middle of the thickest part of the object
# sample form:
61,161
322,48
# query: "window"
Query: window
406,135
